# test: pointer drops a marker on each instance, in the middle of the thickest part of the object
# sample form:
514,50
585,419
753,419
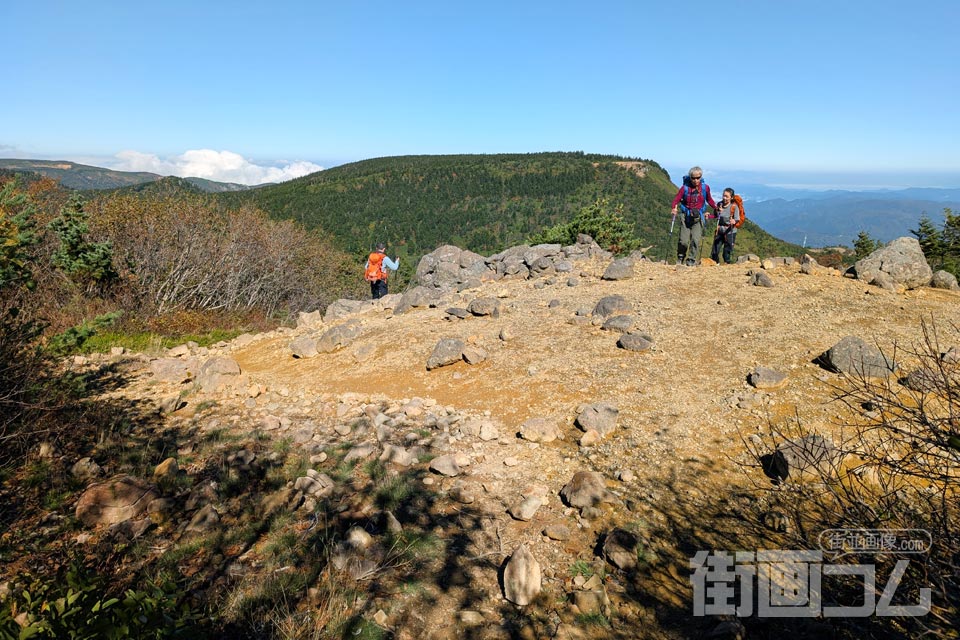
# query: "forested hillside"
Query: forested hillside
480,202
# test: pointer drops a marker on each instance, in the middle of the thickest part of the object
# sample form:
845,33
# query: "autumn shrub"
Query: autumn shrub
895,468
185,252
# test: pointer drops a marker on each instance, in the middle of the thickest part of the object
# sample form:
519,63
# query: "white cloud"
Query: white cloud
221,166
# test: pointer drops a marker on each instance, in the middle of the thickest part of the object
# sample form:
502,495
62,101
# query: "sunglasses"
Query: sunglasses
697,178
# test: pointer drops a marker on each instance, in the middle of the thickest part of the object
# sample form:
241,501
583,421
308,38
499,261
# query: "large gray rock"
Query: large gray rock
447,351
611,305
601,417
855,357
620,269
944,280
419,296
487,306
448,266
902,260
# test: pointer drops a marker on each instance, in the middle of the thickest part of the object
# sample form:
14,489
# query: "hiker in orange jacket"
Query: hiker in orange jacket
375,271
729,219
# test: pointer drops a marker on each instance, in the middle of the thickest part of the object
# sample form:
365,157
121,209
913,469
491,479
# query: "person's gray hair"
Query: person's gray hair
695,170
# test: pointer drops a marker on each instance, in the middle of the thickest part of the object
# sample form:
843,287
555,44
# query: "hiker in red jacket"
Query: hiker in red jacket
375,272
692,199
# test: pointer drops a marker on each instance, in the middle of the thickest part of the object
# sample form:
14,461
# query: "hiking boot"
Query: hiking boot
691,262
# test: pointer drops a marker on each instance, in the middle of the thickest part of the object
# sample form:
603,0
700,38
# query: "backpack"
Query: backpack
686,192
743,216
374,269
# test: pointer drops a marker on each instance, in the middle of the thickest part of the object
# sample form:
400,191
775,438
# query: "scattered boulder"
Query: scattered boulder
901,259
766,378
166,471
620,549
525,509
540,430
304,346
176,370
635,342
621,323
339,336
586,489
944,280
557,532
811,457
809,266
474,355
521,577
216,371
853,356
611,305
761,279
204,520
923,380
446,352
620,269
484,307
446,465
115,500
602,417
86,469
309,319
884,281
419,296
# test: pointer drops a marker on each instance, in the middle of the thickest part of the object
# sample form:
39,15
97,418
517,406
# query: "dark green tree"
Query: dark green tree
864,245
604,224
17,237
931,241
951,242
87,263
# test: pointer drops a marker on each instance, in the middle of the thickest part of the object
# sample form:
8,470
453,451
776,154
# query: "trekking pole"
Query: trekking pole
703,227
670,238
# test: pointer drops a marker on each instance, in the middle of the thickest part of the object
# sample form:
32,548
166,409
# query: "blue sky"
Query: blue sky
782,92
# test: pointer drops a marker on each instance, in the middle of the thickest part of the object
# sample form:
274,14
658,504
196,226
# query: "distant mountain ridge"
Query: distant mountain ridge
417,203
481,202
837,217
86,177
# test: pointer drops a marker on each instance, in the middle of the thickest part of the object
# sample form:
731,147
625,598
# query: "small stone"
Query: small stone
557,532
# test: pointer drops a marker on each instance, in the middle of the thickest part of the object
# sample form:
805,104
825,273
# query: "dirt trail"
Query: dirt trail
685,411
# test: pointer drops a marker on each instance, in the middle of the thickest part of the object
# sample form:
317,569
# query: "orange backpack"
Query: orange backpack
743,216
375,270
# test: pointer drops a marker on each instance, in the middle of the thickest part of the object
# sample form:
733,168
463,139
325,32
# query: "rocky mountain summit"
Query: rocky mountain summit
531,444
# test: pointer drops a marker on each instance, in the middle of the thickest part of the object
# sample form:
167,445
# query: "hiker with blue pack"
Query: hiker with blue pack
692,199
